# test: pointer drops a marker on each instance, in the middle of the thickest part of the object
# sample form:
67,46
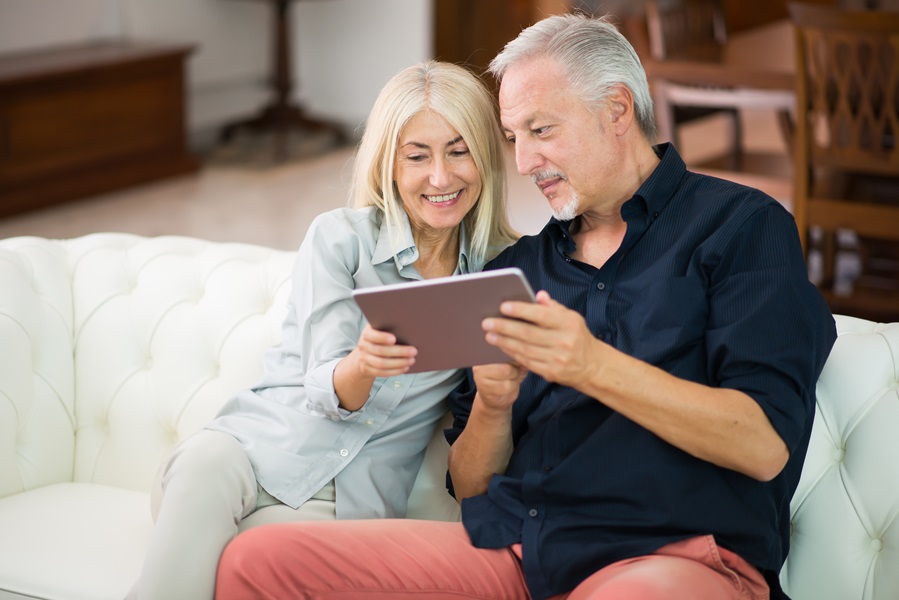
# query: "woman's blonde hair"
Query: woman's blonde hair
458,96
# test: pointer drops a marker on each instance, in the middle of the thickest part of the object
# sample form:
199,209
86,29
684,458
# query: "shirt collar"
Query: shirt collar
650,198
663,182
404,252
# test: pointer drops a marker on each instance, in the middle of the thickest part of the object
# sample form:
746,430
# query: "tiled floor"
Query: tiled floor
245,201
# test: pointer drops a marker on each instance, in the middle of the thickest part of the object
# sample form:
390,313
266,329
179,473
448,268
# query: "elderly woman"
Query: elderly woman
336,428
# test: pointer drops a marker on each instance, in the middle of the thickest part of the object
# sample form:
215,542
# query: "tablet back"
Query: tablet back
442,317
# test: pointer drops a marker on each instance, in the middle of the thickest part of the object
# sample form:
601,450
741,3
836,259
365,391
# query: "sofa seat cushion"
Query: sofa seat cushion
72,540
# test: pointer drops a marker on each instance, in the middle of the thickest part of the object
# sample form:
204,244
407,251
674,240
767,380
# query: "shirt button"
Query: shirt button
533,512
600,286
344,452
397,385
370,422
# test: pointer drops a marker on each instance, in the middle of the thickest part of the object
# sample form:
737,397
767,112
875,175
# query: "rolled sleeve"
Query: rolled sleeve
760,304
323,322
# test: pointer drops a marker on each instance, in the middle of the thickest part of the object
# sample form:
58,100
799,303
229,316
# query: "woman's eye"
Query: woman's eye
511,139
459,153
416,157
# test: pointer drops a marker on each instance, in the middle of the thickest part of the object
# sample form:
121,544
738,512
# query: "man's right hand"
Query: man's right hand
484,447
498,384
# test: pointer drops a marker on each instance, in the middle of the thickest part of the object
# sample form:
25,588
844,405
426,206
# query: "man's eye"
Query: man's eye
540,130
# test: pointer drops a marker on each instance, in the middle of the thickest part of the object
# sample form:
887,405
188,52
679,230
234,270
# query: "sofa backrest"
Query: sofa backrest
845,512
115,347
37,377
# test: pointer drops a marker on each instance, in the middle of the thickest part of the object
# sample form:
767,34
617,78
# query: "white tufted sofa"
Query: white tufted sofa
113,347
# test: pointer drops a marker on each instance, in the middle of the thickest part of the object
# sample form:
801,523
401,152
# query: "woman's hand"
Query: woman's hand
378,354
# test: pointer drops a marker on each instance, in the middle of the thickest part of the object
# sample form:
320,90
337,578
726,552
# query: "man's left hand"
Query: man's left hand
545,338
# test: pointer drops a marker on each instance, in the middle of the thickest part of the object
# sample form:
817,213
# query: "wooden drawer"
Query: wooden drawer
89,119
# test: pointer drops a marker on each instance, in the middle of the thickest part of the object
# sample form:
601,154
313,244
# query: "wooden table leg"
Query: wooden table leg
281,116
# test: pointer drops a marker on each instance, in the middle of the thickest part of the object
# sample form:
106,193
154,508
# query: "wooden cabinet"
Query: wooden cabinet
87,119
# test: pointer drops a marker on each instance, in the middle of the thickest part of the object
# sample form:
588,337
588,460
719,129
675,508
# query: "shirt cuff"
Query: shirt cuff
320,393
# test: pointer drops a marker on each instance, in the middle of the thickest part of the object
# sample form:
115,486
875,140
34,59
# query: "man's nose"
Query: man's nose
526,159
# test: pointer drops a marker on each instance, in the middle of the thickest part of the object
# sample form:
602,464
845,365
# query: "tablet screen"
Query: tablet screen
442,317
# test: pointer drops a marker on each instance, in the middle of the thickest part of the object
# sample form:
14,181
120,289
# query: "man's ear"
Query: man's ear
621,108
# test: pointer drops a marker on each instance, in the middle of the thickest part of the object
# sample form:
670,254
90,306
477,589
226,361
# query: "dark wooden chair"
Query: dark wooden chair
846,157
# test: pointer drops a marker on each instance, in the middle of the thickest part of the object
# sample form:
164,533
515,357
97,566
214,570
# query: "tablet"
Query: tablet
442,317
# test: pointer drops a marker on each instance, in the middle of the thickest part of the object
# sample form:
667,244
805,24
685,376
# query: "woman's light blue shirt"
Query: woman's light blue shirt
290,424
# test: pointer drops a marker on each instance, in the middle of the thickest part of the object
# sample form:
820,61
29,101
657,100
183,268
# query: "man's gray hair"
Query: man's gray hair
594,55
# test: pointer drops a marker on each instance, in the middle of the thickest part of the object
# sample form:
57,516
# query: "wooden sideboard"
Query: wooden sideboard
82,120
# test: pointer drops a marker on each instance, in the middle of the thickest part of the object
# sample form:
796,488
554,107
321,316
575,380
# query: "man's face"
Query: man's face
560,141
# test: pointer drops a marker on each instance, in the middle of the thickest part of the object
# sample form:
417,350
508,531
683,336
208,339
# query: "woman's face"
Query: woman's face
435,174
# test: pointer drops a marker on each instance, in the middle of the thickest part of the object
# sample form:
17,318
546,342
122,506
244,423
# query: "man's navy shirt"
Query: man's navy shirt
709,285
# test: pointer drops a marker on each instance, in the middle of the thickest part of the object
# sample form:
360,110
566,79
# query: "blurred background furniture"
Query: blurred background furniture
472,32
695,67
281,116
891,5
687,29
89,118
846,192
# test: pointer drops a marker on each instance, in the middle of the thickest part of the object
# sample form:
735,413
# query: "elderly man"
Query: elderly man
647,439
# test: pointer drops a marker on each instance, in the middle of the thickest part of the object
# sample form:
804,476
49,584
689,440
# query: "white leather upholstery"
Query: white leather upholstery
845,535
113,347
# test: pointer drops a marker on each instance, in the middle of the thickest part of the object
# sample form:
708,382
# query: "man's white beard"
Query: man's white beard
569,211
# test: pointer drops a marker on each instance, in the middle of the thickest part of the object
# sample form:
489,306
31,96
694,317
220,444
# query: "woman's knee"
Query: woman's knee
206,466
204,451
208,458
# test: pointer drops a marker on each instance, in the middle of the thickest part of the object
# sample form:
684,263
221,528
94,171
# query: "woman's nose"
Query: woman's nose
440,174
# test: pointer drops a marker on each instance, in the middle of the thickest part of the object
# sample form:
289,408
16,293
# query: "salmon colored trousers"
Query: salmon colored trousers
402,558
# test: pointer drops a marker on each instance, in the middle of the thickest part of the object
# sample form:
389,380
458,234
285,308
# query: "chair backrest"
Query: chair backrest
685,28
847,89
846,159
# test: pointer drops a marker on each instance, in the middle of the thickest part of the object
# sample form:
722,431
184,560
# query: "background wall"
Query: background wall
343,50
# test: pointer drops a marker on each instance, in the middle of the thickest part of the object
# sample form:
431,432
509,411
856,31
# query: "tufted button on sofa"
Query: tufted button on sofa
114,347
845,512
